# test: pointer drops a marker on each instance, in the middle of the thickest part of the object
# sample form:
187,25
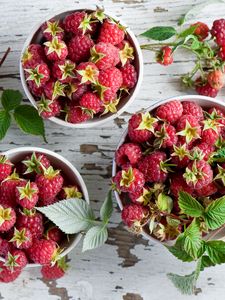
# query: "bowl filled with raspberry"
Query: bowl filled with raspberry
32,177
81,68
169,167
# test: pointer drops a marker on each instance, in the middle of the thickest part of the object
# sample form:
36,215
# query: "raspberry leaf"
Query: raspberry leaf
178,250
160,33
216,251
107,208
215,213
95,237
190,205
206,262
11,99
5,121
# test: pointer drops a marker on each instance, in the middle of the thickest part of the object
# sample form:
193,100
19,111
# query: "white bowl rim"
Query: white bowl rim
77,175
93,122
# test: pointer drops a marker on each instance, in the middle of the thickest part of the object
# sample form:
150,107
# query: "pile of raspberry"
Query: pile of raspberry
83,67
26,236
177,147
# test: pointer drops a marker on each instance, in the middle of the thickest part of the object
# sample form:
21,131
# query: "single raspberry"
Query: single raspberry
218,31
54,234
166,136
48,108
128,153
74,90
87,73
5,247
22,238
55,49
54,89
79,48
5,167
178,184
154,167
202,151
33,56
141,127
134,216
202,30
180,155
110,106
49,184
126,52
129,75
32,220
216,79
142,196
75,115
71,191
192,108
79,23
64,70
165,56
15,260
35,163
43,251
220,173
91,103
189,129
170,111
7,218
198,174
27,194
205,89
221,52
129,180
111,32
53,28
105,55
207,190
38,75
211,131
6,275
55,272
217,114
36,91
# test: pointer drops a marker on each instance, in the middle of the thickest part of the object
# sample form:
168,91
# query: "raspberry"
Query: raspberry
216,79
202,30
218,31
33,55
129,180
134,215
5,247
79,48
43,251
49,184
221,52
91,103
71,191
53,28
48,108
64,70
211,131
38,75
36,91
170,112
141,196
74,90
15,260
5,167
54,272
79,23
76,115
165,136
111,32
154,167
217,114
207,190
35,163
128,153
105,55
87,72
126,52
180,155
54,234
192,108
198,174
27,194
165,56
178,184
7,218
22,238
55,49
141,127
188,128
205,89
129,75
6,275
203,150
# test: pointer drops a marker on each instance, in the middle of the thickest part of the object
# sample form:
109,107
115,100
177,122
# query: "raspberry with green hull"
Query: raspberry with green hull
36,91
43,252
7,218
79,48
35,163
220,173
180,155
166,136
53,28
211,131
75,114
202,151
79,23
178,184
126,52
128,153
201,30
71,191
142,196
64,70
216,79
134,216
204,88
33,56
165,56
91,103
189,129
22,238
75,90
6,275
27,194
48,108
54,89
111,32
57,271
16,260
170,112
87,73
192,108
5,167
38,75
218,31
129,75
217,114
56,49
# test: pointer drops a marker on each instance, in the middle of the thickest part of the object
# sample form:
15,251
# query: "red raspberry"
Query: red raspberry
203,151
218,31
27,194
141,127
188,128
198,174
54,89
75,115
165,56
207,190
128,153
154,167
7,218
54,234
221,52
134,215
87,73
5,167
192,108
170,111
35,163
48,108
141,196
64,70
166,136
56,49
91,103
180,155
31,220
49,184
79,23
5,247
57,271
43,251
217,114
105,55
126,52
129,75
15,260
111,32
211,131
74,90
202,30
71,191
6,275
53,28
129,180
22,238
216,79
178,184
33,55
79,48
205,89
38,75
36,91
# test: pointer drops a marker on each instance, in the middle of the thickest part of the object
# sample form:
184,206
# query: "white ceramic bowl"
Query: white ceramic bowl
35,37
58,162
205,102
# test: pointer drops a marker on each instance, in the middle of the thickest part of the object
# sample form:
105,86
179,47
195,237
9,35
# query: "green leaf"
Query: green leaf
95,237
178,250
29,121
5,121
206,262
216,251
160,33
71,215
190,205
215,213
193,242
189,31
219,156
107,208
11,99
164,203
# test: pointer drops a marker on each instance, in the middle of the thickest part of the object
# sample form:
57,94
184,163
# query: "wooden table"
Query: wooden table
127,267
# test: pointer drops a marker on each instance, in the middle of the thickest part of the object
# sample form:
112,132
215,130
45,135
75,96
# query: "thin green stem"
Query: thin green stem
150,46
